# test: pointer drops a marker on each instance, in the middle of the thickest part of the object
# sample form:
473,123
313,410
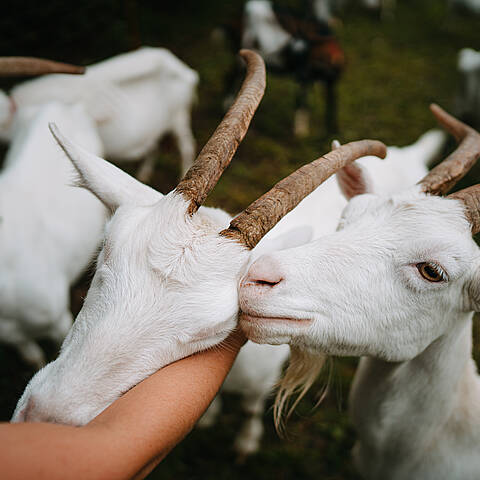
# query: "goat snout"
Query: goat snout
263,273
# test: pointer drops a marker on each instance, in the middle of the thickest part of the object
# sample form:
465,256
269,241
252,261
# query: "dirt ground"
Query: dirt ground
395,68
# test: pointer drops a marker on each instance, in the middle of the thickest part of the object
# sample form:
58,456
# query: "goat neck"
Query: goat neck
402,410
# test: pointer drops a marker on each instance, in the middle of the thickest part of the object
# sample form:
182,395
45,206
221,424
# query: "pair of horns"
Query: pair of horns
18,66
445,175
256,220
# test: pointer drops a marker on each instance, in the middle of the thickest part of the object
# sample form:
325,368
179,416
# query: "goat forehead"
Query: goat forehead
170,244
406,210
403,228
138,226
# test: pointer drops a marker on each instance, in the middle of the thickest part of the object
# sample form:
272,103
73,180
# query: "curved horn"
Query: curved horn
263,214
219,150
471,200
16,66
445,175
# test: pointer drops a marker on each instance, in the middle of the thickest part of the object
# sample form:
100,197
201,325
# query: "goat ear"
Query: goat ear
352,179
112,186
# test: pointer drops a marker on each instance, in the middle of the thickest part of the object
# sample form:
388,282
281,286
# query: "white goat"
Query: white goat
473,6
397,283
166,280
135,98
257,368
324,9
468,97
49,231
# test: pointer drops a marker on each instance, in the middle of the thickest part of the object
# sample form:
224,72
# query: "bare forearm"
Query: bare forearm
128,438
172,400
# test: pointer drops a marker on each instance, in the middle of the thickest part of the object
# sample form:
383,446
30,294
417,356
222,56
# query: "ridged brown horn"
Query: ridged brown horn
471,199
219,150
445,175
263,214
17,66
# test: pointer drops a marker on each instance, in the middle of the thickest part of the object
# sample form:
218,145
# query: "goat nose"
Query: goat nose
263,272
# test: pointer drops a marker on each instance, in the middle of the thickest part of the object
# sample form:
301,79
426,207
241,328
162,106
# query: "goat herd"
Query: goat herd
397,282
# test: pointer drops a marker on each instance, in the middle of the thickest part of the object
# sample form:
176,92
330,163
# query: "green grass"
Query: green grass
395,69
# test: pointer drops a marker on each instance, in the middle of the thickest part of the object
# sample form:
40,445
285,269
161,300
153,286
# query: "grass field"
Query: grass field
395,69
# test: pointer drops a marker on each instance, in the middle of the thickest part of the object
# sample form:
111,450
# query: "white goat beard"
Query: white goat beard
302,371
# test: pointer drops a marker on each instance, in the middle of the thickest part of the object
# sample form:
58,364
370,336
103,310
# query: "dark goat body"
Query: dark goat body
313,54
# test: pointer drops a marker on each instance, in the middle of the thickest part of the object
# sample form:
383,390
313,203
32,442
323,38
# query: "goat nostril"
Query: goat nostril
264,272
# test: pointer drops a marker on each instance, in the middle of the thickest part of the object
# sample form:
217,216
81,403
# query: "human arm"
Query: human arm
132,435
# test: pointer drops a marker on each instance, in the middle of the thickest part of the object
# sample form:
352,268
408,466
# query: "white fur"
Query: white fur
49,230
323,8
468,97
416,397
165,287
59,395
135,98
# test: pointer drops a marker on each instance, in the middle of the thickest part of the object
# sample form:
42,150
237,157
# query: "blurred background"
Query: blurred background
397,61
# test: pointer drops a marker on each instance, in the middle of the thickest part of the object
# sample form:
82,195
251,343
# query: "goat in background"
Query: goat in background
468,95
303,47
49,231
135,99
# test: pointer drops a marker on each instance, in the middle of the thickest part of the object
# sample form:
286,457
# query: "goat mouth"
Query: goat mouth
259,319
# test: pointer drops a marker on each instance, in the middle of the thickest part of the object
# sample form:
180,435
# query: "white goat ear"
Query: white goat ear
112,186
353,180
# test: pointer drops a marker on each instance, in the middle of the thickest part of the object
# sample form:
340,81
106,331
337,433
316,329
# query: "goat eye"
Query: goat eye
431,272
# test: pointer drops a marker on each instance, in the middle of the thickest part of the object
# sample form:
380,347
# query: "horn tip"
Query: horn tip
436,108
383,151
247,54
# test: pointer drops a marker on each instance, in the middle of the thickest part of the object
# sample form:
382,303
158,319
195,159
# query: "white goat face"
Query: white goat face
159,266
360,291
